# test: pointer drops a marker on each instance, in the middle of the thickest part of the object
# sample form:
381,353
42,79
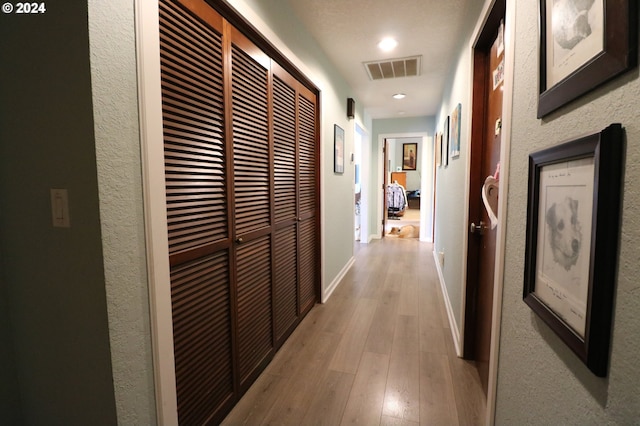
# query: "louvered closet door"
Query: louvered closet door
197,206
285,204
252,193
308,225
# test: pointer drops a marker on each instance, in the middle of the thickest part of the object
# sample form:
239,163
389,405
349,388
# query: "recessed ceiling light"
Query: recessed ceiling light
387,44
401,113
399,96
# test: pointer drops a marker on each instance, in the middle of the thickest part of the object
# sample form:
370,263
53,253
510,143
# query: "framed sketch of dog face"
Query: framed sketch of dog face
571,243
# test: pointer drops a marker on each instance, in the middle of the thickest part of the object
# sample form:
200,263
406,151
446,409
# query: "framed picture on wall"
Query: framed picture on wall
409,156
338,149
445,142
583,44
438,149
455,131
572,240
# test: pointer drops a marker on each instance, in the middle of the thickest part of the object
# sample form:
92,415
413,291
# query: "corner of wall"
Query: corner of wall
115,104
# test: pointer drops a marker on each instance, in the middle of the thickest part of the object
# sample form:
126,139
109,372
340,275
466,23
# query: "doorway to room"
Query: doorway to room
406,174
402,182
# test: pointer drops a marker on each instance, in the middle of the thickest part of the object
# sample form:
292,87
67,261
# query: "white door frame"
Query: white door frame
365,182
426,203
507,110
152,147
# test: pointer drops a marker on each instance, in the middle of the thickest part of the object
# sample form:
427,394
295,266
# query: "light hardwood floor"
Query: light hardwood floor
379,352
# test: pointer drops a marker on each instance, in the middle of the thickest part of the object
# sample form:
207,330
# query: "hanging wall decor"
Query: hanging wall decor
455,131
583,44
572,240
338,149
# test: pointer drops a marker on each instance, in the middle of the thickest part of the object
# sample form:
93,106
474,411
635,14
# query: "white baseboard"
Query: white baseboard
326,293
455,332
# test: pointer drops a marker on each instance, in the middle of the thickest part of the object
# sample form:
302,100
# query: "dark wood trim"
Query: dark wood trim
229,175
480,78
272,202
318,204
489,33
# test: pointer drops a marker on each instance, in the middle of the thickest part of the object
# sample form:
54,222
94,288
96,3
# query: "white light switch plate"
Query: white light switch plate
60,208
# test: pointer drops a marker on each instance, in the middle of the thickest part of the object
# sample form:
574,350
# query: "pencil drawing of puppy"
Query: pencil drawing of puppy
565,232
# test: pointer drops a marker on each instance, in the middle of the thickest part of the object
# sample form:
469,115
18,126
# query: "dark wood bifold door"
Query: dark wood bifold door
241,163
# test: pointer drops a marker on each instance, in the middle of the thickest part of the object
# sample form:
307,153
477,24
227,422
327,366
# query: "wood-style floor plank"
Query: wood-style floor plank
328,404
402,397
437,400
379,352
349,351
364,406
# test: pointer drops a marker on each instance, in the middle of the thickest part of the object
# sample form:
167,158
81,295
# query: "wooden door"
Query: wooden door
485,156
197,175
309,201
385,160
295,201
285,204
252,196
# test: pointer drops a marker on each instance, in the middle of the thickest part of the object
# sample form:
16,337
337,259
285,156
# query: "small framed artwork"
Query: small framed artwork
583,44
338,149
455,132
409,156
572,240
445,142
438,149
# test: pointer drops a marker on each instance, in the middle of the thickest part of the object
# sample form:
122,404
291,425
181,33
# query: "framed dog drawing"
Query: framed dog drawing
572,240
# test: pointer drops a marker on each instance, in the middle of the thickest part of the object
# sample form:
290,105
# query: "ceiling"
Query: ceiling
349,30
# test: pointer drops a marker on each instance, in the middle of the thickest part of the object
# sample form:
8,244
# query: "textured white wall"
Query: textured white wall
115,103
540,380
451,181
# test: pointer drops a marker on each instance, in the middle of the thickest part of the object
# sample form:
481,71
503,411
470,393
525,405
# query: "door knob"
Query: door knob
239,240
473,228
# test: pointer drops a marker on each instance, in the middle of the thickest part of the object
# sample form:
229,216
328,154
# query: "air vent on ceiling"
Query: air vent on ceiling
394,68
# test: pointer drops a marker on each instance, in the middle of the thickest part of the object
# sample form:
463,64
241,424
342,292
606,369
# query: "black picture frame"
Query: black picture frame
338,149
581,67
445,142
570,290
409,156
618,54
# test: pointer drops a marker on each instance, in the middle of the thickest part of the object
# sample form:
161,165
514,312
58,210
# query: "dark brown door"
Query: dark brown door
251,219
385,160
485,156
196,174
295,195
308,201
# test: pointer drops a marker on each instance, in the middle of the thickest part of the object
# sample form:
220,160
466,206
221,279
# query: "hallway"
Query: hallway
378,352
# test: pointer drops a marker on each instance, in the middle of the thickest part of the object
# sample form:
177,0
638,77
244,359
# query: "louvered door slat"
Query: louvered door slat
284,146
307,143
307,254
286,276
193,120
250,143
202,344
253,265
